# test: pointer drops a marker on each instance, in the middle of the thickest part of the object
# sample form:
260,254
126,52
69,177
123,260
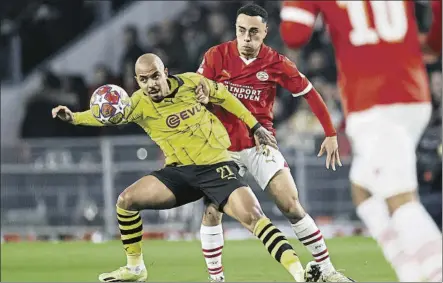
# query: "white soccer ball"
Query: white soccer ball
110,104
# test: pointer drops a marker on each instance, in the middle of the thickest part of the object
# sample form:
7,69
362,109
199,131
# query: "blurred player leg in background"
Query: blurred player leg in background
270,170
385,189
374,213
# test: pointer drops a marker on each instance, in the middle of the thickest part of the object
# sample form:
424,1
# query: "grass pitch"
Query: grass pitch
359,257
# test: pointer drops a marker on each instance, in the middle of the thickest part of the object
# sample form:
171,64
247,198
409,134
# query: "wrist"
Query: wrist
331,134
255,127
72,121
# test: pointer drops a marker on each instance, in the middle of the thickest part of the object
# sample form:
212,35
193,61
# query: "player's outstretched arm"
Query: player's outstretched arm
84,118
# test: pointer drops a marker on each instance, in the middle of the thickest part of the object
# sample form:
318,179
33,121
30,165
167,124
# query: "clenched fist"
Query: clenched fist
63,113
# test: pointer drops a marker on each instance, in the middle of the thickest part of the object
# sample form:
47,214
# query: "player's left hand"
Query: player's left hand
264,137
202,92
330,145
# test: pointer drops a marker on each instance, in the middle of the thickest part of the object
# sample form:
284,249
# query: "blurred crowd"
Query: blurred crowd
181,44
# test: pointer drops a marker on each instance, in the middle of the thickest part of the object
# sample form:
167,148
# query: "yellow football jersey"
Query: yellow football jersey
184,129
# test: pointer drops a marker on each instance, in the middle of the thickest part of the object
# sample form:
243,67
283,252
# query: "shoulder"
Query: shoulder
273,56
190,79
221,49
277,61
283,62
137,96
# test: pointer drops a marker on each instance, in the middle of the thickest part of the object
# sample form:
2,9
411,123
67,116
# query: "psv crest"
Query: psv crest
262,76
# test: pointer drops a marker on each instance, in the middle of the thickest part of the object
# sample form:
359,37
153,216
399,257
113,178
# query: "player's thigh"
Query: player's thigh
147,193
169,188
384,159
263,164
223,185
212,216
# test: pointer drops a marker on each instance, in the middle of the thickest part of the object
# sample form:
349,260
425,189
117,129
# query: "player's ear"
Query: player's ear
166,72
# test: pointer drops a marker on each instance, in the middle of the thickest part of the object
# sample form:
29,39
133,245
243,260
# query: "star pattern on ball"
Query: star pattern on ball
118,100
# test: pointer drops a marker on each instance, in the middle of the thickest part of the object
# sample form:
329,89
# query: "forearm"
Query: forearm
85,118
233,105
320,110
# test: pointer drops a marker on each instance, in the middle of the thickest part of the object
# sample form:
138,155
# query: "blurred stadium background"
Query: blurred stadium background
61,182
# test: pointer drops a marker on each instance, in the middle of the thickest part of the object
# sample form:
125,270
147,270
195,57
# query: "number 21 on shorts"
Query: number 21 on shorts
390,21
226,172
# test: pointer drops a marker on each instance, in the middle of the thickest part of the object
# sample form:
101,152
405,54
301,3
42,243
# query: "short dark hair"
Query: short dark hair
253,10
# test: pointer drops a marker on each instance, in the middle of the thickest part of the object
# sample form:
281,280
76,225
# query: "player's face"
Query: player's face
154,82
250,31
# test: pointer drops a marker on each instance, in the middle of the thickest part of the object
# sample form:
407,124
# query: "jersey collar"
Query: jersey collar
174,84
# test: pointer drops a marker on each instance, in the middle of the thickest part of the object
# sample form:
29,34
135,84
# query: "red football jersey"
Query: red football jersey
254,83
376,44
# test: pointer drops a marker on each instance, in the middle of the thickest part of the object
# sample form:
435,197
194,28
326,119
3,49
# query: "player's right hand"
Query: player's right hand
264,137
63,113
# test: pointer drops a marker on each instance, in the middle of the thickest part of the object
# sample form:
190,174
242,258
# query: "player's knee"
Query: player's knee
212,216
292,209
395,202
251,216
126,200
283,190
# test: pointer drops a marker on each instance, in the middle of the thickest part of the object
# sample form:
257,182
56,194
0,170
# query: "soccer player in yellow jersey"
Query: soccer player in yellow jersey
197,162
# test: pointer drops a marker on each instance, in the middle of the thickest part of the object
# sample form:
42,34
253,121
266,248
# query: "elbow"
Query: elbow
295,35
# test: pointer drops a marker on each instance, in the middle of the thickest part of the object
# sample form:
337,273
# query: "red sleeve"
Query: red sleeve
297,22
210,64
319,108
434,37
290,78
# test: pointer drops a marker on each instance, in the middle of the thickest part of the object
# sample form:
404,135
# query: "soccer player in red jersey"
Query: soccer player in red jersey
251,71
386,100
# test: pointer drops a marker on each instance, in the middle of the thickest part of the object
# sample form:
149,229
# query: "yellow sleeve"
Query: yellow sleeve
134,114
218,94
85,118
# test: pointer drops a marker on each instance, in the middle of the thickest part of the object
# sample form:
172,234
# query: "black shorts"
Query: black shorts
192,182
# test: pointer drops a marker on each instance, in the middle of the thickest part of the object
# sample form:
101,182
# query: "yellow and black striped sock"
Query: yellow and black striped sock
279,247
131,230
